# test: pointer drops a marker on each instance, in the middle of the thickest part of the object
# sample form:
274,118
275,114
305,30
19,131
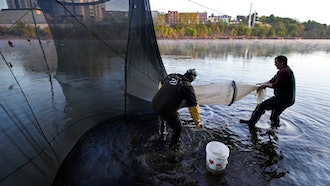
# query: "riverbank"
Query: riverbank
233,38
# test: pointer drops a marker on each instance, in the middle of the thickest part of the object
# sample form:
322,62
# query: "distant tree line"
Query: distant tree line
267,27
21,29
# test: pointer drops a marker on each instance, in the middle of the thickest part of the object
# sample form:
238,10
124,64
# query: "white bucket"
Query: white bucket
217,155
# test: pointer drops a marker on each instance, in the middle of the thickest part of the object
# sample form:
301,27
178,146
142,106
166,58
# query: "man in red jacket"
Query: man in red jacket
284,87
176,92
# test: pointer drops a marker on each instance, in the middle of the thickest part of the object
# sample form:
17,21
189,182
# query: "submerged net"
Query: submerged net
102,61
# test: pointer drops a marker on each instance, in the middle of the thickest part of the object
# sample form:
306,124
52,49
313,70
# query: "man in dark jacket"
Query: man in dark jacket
284,87
176,92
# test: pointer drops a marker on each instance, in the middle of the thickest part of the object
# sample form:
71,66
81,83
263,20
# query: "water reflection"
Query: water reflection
269,158
268,150
247,49
285,152
129,149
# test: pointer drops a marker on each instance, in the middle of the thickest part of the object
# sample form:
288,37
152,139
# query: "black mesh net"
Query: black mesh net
102,61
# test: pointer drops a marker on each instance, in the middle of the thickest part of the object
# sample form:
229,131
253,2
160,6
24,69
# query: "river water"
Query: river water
299,151
128,150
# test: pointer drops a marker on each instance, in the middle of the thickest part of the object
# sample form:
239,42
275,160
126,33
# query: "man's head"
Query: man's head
191,74
281,61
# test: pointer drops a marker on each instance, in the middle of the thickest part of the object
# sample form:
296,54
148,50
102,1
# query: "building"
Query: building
172,17
96,11
189,18
202,17
21,4
224,18
91,11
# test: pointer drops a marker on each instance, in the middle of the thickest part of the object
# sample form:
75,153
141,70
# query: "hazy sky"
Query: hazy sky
3,4
316,10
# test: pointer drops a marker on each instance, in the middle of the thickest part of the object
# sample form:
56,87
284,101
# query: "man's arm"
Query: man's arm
265,84
192,105
268,84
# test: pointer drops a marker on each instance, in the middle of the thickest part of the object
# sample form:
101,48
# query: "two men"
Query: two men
177,92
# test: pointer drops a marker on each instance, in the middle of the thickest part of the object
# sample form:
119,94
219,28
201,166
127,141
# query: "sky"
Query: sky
316,10
3,4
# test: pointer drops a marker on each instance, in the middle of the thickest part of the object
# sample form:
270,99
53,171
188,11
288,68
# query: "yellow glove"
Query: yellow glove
160,85
195,114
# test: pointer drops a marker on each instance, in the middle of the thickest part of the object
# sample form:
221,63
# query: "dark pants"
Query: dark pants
173,120
273,104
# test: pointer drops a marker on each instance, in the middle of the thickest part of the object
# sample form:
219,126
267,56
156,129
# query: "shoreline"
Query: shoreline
238,38
189,38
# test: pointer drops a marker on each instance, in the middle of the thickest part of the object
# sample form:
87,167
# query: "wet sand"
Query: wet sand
129,151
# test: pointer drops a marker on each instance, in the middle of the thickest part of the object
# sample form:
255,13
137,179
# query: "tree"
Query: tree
267,27
203,31
271,32
261,31
233,32
281,30
191,31
160,19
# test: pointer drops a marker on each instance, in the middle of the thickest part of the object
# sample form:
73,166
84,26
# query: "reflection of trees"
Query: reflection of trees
20,29
238,48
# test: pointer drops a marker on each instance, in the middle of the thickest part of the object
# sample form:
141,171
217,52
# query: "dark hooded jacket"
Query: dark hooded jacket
176,92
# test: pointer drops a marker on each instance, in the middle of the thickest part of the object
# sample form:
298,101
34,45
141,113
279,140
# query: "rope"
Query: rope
50,77
24,95
233,84
29,138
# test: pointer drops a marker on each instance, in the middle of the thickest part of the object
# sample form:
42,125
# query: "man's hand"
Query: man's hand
264,85
198,125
